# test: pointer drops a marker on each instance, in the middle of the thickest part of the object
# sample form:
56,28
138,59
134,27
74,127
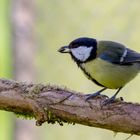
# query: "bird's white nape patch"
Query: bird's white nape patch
124,55
82,53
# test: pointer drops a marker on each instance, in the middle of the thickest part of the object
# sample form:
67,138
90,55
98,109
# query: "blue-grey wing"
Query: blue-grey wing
110,56
127,56
131,57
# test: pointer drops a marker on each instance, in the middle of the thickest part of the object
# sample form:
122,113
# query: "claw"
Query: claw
90,96
112,99
108,101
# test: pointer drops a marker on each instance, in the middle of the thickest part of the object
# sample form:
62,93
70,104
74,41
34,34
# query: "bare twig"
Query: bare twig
53,104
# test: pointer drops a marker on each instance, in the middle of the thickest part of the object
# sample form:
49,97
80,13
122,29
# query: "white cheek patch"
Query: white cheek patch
82,53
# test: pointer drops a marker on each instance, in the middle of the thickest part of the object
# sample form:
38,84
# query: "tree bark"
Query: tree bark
53,104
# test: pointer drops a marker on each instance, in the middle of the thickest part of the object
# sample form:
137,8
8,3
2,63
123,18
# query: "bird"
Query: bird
109,64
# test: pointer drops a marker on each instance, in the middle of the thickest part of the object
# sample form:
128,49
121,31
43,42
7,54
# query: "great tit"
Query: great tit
108,64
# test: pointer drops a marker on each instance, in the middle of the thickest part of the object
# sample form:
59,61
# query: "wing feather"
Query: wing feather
117,53
132,57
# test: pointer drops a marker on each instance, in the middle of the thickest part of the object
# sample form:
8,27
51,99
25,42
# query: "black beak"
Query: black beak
64,49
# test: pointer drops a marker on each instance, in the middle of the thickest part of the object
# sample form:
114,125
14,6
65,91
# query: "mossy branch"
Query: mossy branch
53,104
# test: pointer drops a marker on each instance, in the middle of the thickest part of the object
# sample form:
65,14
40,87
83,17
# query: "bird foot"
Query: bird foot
112,100
108,101
91,96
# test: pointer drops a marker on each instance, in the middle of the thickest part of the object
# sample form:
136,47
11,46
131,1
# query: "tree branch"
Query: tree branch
53,104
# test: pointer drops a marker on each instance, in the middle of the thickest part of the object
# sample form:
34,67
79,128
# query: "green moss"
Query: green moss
24,116
37,88
52,118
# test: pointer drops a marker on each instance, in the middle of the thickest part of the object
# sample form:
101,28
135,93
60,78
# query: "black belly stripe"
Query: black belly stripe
92,79
97,83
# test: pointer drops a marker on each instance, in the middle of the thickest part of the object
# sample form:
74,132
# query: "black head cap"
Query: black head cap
83,41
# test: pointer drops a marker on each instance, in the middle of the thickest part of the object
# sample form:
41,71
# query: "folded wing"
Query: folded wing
118,54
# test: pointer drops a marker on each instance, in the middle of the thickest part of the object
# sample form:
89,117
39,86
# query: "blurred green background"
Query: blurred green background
56,23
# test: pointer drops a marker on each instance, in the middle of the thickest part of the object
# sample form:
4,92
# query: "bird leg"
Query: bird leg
90,96
112,99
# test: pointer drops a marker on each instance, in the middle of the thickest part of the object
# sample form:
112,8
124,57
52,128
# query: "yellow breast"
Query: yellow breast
110,75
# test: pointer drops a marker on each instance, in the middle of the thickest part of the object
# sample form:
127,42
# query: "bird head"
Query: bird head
81,49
